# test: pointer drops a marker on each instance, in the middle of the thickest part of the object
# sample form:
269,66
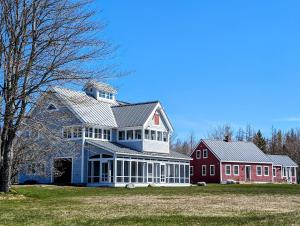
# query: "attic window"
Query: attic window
51,107
156,119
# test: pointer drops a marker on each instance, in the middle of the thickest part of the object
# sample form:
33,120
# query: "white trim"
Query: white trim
261,169
226,170
210,170
238,173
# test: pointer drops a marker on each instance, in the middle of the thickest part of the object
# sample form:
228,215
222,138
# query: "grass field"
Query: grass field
211,205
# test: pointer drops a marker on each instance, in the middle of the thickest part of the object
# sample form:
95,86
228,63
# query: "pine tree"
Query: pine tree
260,141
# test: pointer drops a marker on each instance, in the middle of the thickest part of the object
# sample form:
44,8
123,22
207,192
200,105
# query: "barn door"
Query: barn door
62,171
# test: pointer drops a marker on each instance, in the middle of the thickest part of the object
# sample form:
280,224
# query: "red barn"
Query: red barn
284,169
215,161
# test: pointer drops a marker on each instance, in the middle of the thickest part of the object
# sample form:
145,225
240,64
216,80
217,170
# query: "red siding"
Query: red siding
241,177
280,179
197,164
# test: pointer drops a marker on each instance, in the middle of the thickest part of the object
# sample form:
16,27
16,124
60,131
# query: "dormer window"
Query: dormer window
51,107
106,95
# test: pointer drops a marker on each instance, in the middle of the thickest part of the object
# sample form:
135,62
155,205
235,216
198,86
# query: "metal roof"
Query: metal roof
87,108
133,114
237,151
122,150
282,160
101,86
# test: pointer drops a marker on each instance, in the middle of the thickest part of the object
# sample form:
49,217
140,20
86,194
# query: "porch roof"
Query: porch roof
119,149
282,160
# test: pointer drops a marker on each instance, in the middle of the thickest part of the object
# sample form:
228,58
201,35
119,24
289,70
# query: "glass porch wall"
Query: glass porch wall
101,169
149,171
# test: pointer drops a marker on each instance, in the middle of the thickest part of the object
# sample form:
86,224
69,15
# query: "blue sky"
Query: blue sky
209,62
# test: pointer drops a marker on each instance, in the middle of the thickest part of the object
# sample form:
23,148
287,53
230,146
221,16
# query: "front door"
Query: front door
163,173
247,173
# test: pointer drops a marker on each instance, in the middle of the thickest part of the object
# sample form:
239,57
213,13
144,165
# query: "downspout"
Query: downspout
82,155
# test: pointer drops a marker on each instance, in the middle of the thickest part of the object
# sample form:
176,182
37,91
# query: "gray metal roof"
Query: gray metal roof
87,108
237,151
282,160
122,150
133,114
101,86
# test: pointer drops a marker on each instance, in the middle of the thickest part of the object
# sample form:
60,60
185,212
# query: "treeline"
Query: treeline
278,142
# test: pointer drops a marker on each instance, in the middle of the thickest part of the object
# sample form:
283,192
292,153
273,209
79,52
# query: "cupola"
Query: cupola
100,91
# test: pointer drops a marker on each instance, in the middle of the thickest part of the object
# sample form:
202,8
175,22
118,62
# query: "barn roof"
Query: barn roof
117,148
282,160
237,151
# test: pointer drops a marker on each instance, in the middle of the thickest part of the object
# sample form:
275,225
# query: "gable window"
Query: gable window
274,172
227,169
106,134
198,154
266,171
98,133
153,135
165,136
121,135
129,135
147,134
203,170
212,170
191,170
159,136
236,170
138,134
67,132
258,171
51,107
89,132
77,132
156,119
205,153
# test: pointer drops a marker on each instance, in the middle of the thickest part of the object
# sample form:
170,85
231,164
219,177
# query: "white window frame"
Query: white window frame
103,133
265,167
210,167
238,167
261,173
226,170
191,170
203,167
205,153
198,152
55,107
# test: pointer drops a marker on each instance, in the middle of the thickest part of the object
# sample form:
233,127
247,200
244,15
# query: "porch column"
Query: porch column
115,169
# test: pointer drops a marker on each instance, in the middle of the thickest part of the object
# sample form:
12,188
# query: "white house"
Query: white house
117,143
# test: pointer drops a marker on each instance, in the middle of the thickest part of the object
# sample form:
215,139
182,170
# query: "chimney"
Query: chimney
227,138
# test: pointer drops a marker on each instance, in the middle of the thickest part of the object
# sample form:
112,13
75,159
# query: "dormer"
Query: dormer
100,91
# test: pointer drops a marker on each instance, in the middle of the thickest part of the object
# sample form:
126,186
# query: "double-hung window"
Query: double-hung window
236,170
203,170
77,132
98,133
106,134
212,170
67,132
198,154
138,134
89,132
205,153
266,171
258,171
228,170
129,135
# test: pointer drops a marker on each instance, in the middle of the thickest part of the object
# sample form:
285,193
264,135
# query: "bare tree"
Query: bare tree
220,132
42,43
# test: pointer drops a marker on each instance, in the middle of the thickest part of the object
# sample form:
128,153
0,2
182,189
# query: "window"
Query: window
102,94
198,154
153,135
106,95
129,135
121,135
205,153
98,133
159,136
212,170
150,172
258,171
51,107
156,119
138,134
293,171
284,172
203,170
191,170
36,169
147,134
266,171
67,132
165,136
236,170
106,134
77,132
89,132
227,169
274,172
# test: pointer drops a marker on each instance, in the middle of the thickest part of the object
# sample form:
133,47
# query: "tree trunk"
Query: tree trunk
5,168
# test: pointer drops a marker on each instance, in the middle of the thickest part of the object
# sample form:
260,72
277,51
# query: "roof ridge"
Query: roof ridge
233,141
134,104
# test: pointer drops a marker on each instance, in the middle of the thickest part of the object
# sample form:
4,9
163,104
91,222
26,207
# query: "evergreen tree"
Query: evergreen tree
260,141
